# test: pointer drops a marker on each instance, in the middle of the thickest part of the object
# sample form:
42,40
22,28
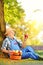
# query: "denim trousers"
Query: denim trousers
28,52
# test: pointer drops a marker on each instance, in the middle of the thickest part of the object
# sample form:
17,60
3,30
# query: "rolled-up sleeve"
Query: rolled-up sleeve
6,44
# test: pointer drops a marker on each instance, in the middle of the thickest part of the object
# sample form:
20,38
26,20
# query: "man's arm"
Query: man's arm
5,45
6,51
24,44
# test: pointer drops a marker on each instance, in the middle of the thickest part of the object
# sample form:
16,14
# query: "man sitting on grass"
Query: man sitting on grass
11,43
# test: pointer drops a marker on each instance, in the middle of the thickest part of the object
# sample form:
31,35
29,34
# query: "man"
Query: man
11,43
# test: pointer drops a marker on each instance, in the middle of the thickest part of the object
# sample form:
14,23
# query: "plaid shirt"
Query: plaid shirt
6,43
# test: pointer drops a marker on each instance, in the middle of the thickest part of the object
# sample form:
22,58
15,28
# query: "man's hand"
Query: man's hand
6,51
16,52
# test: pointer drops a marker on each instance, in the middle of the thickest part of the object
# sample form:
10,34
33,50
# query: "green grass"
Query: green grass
7,61
40,52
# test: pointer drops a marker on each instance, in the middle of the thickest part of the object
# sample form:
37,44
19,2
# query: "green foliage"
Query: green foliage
13,12
35,42
14,15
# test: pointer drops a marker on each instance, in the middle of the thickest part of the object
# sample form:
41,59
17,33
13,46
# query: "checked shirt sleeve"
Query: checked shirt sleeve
6,44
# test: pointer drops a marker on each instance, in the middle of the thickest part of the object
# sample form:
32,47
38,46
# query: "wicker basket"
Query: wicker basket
15,56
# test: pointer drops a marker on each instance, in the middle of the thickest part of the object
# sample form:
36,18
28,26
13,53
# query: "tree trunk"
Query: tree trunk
2,23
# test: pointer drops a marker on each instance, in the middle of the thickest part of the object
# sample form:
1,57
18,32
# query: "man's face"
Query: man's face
11,32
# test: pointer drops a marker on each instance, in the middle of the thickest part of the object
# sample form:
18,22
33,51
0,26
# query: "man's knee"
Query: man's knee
29,47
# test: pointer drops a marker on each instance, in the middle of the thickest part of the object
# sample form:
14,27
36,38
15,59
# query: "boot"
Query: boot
40,58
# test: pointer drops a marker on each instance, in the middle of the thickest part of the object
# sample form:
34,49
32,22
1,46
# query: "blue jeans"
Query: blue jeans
29,52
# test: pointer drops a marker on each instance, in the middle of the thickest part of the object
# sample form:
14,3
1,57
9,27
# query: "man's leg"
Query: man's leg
29,52
28,49
31,55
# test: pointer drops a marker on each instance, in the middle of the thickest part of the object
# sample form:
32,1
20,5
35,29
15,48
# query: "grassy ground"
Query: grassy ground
7,61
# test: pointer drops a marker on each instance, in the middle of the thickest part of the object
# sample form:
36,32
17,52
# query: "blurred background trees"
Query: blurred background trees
13,12
14,16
